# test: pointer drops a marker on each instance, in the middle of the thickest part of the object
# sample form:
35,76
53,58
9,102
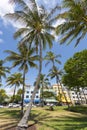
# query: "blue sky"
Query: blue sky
7,41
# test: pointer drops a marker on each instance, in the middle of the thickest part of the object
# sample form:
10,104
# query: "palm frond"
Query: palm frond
19,2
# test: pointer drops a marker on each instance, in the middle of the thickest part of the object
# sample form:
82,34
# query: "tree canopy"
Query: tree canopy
75,68
3,96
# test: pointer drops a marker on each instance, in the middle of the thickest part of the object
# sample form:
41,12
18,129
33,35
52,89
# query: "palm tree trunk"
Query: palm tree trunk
65,96
22,104
0,81
14,93
23,124
42,103
58,87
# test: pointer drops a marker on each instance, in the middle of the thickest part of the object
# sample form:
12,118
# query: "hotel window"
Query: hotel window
36,96
72,93
27,96
31,91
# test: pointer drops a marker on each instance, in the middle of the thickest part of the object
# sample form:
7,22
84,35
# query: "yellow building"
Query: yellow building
60,89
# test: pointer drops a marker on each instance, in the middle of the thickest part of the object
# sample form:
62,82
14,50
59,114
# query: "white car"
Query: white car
13,105
1,106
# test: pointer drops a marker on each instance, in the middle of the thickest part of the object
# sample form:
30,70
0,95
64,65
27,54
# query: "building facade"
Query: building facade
71,95
28,94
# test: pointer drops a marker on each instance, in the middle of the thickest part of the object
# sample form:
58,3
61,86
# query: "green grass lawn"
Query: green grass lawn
59,119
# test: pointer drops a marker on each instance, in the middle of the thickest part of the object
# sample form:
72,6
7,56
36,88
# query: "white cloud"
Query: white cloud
5,7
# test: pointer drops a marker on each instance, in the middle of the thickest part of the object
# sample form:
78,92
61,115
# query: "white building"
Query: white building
28,94
72,95
79,96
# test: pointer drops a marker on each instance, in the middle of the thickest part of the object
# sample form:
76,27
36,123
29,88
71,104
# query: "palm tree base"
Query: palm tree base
22,127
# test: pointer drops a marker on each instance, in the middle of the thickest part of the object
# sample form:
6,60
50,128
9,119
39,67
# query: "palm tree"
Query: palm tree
38,25
53,72
3,71
24,59
3,96
75,21
14,80
51,57
56,73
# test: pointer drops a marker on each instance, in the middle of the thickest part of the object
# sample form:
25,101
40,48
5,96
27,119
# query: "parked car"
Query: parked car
13,105
1,106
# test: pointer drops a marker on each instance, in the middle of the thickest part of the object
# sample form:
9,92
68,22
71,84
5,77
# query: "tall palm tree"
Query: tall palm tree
3,71
52,58
56,73
38,25
24,59
75,21
14,80
53,72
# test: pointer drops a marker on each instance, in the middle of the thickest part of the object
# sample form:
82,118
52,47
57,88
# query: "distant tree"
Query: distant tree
48,94
52,58
14,80
3,96
3,71
75,76
54,71
18,96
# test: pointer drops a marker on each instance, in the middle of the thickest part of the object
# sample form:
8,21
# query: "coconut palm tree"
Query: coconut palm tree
75,21
14,80
24,59
3,71
36,31
56,73
52,58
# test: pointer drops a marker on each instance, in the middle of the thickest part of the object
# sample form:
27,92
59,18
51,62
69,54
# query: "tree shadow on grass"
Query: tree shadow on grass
9,118
58,122
78,109
70,122
11,112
